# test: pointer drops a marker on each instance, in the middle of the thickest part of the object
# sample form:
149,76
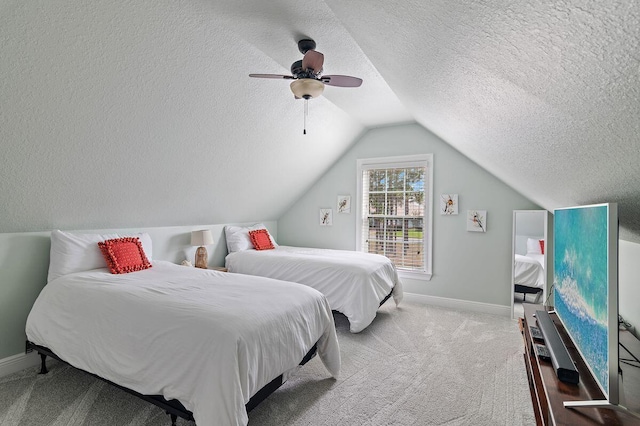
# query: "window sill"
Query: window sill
420,276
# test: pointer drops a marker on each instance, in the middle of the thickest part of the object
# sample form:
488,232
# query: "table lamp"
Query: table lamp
201,238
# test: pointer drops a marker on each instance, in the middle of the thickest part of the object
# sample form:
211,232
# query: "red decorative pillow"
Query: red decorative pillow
261,239
541,246
124,255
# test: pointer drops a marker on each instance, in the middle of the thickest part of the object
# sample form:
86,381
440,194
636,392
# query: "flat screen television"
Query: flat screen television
585,297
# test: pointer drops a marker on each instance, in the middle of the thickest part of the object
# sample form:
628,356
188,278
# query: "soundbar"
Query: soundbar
560,358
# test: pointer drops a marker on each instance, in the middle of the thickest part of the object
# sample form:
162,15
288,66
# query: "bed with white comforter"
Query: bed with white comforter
354,282
529,270
206,338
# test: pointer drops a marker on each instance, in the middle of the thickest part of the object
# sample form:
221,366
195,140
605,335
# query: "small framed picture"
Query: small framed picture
477,220
448,204
344,204
326,217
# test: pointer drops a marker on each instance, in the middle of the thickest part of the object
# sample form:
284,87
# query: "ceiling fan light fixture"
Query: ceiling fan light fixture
306,88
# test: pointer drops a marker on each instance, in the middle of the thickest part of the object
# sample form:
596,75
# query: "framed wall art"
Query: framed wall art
477,220
449,204
326,217
344,204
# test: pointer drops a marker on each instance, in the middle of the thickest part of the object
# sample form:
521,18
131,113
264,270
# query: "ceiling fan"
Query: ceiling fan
308,81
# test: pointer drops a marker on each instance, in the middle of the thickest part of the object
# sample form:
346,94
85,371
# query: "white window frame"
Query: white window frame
420,160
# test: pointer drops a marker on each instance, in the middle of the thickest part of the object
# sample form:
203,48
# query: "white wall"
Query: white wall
629,283
529,225
466,265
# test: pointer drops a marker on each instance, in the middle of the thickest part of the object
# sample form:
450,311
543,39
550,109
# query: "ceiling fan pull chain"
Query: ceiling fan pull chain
306,111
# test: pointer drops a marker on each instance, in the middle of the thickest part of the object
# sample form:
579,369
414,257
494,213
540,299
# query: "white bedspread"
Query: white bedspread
354,282
529,270
209,339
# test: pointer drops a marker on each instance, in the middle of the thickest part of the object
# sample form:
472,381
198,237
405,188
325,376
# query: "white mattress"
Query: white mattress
354,282
529,270
209,339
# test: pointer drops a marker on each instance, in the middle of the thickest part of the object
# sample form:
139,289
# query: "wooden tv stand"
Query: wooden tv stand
548,393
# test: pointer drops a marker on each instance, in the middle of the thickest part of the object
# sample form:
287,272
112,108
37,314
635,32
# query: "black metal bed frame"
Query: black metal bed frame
173,408
386,298
527,290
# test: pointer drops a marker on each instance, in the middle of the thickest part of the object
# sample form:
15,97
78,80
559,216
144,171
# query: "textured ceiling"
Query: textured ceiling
543,94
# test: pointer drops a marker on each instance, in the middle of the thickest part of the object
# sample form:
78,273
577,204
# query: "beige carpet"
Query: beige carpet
415,365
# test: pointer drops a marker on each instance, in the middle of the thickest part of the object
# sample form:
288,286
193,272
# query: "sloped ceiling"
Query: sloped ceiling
145,112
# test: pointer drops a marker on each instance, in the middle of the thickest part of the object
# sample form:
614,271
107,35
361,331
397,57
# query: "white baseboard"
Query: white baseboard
18,362
463,305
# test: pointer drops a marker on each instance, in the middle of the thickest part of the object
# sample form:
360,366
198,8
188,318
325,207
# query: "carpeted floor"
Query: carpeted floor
415,365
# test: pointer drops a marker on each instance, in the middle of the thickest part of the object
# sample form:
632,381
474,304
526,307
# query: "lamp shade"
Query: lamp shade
201,238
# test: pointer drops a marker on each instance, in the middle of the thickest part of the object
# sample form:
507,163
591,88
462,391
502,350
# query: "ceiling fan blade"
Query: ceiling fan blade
313,60
280,76
341,80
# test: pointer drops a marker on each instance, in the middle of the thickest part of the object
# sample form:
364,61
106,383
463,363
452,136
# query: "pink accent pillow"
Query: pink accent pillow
541,246
124,255
260,239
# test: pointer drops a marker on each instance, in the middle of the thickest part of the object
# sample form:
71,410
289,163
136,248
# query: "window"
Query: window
394,211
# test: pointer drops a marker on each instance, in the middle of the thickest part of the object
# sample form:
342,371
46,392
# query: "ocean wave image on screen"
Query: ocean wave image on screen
581,286
589,334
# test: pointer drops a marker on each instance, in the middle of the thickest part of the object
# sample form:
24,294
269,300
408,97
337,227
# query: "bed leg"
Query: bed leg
174,418
43,364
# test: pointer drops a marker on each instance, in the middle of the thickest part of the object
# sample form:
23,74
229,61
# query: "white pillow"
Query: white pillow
238,237
80,252
533,246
